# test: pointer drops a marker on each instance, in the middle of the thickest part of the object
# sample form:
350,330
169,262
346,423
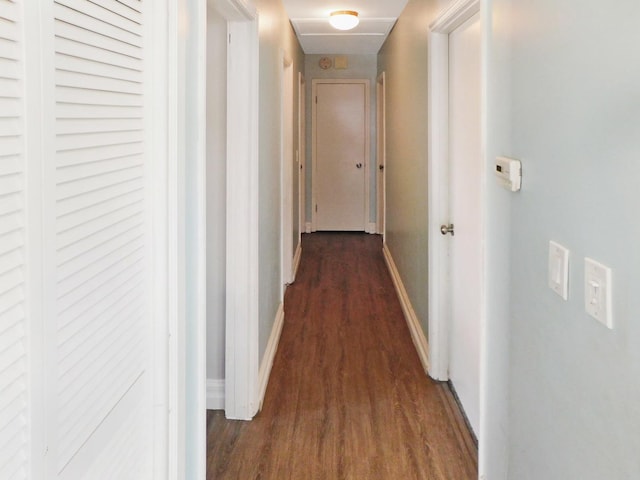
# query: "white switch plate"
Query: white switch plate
597,291
559,269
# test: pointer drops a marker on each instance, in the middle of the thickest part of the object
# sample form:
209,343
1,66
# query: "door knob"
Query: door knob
444,229
359,165
381,167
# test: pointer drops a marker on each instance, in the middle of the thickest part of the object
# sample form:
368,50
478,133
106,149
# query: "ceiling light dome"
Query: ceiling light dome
344,19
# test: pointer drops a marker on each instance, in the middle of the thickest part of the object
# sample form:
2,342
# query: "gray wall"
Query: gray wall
404,59
494,392
359,67
575,115
216,191
277,40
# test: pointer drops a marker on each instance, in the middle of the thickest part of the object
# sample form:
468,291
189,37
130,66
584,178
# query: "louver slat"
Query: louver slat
85,8
93,53
120,9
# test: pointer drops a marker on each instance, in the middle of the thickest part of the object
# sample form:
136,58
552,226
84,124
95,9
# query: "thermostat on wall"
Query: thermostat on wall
509,173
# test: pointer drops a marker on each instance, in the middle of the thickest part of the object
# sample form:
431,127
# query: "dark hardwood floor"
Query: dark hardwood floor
348,397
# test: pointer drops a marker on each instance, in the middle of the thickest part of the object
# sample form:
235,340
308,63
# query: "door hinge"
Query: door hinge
229,38
316,208
316,99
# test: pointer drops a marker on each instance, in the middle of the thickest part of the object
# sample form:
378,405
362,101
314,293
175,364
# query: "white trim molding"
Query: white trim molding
455,15
270,355
233,10
186,254
241,350
417,334
215,394
308,228
296,261
372,227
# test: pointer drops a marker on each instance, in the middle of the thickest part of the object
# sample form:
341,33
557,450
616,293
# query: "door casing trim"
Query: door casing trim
241,318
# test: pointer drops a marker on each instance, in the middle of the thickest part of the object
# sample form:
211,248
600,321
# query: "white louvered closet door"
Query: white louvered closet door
76,379
102,348
14,380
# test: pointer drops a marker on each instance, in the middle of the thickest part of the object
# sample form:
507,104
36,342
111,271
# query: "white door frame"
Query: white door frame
286,180
182,174
241,339
367,148
438,137
302,156
381,154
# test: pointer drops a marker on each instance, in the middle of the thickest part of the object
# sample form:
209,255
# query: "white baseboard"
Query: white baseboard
215,394
269,355
372,227
296,261
417,334
307,227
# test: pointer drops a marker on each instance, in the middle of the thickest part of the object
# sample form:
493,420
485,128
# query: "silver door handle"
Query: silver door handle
359,165
444,229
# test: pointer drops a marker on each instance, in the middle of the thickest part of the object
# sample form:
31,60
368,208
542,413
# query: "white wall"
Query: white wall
359,66
574,385
216,191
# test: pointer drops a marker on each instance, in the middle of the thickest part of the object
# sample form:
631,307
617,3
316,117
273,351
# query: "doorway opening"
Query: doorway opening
456,203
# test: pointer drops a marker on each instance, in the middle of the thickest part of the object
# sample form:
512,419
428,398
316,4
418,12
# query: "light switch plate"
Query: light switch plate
559,269
597,291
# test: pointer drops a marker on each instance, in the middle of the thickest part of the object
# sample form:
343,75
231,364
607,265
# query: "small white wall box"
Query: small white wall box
509,173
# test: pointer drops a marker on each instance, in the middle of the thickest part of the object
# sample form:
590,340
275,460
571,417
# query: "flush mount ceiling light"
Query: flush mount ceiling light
344,19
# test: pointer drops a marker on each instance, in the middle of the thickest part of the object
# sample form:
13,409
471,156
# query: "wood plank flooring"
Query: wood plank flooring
347,398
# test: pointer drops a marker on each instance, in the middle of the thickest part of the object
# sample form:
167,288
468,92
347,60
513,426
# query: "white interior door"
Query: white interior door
340,124
465,214
381,153
302,135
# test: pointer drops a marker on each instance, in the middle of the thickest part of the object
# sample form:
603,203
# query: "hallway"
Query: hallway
348,397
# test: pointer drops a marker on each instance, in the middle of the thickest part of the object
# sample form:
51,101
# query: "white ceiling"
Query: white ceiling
310,21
